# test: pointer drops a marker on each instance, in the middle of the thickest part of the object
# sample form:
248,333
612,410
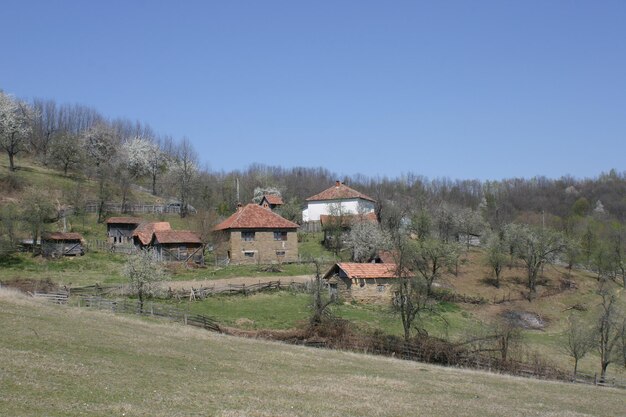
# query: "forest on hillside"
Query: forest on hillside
118,154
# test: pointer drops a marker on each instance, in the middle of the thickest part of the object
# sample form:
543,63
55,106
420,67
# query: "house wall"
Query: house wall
263,247
352,206
369,291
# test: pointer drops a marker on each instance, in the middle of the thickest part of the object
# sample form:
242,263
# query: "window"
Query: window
247,236
248,254
280,235
280,253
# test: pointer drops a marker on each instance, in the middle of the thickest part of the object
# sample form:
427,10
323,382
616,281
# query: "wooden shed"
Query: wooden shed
62,244
120,229
178,246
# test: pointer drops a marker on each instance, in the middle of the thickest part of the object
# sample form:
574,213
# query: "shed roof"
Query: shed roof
176,236
145,230
339,191
62,236
124,220
273,199
253,216
369,270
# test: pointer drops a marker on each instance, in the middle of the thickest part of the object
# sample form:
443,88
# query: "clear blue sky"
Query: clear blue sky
459,89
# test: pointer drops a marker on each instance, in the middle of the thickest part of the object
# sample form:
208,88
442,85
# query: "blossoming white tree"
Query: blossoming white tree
15,126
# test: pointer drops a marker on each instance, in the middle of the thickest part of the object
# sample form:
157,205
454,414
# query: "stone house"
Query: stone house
255,234
120,229
362,282
62,244
338,199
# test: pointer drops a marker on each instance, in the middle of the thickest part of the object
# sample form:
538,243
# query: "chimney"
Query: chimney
239,206
337,183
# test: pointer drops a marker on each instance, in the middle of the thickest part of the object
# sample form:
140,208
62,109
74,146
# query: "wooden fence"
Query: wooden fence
139,208
106,246
59,297
152,310
241,289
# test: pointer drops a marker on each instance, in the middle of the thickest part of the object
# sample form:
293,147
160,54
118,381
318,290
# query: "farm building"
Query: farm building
255,234
178,246
142,236
367,283
62,244
120,229
271,200
341,225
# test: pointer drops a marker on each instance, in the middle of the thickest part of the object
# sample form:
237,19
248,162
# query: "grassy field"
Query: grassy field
63,361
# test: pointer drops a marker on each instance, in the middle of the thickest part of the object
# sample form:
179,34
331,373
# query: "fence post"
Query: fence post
595,379
185,318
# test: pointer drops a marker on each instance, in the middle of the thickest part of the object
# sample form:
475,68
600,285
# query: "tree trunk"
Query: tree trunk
11,162
603,371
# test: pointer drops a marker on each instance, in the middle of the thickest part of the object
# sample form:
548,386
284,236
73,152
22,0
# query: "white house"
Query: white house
337,199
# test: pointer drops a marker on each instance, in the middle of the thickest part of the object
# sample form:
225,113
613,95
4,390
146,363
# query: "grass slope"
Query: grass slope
62,361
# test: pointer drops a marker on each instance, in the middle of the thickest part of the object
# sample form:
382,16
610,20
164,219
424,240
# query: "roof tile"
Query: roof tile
253,216
339,191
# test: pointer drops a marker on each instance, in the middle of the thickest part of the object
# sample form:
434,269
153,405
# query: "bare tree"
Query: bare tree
101,148
66,151
185,170
608,329
430,258
580,340
37,211
321,303
144,273
496,256
535,247
15,126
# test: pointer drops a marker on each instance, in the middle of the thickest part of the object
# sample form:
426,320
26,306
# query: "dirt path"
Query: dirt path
222,283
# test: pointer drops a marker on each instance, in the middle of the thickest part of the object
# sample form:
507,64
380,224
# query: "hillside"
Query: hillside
65,361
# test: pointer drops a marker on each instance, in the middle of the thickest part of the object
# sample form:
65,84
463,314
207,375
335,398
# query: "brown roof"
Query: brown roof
369,270
253,216
339,191
145,230
62,236
275,200
347,219
124,220
176,236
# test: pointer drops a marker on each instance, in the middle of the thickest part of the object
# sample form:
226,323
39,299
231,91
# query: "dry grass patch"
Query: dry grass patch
64,361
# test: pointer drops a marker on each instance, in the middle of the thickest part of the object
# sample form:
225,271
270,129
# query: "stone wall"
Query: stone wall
369,291
263,249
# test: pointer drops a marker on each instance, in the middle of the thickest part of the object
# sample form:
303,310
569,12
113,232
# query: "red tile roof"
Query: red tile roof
176,236
339,191
369,270
62,236
124,220
253,216
145,230
272,199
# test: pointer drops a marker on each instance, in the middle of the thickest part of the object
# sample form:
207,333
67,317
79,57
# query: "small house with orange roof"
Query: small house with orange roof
271,200
338,199
362,282
255,234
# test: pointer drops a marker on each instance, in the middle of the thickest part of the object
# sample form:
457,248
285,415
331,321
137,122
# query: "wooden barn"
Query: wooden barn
62,244
120,229
362,282
142,236
178,246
